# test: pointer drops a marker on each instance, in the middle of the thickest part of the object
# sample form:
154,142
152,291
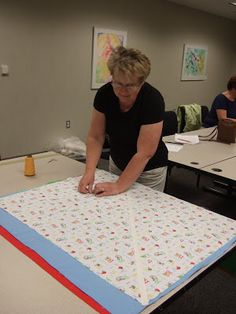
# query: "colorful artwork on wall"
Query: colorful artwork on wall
194,63
104,40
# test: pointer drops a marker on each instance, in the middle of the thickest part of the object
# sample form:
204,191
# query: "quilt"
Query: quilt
142,242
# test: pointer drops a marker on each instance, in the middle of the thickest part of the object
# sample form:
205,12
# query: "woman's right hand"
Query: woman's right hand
86,183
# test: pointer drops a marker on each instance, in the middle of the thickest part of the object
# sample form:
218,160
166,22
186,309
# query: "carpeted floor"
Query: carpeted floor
213,294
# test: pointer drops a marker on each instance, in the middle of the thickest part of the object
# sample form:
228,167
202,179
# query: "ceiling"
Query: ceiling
217,7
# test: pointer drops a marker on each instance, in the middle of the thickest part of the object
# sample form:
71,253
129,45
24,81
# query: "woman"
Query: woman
131,112
224,105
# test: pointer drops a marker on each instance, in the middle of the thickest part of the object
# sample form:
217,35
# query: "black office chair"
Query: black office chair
204,112
170,126
170,123
182,123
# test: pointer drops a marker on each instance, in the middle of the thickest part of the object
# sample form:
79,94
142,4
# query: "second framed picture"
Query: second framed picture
194,63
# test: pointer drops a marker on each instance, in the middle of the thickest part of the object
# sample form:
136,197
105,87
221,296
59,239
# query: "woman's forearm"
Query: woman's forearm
132,171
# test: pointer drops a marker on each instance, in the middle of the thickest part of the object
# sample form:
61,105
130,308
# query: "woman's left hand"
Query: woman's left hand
107,188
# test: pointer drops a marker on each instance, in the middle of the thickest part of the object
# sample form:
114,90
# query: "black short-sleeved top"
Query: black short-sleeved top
220,102
123,127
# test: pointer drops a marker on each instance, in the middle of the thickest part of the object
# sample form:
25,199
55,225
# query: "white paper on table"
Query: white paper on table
186,139
172,147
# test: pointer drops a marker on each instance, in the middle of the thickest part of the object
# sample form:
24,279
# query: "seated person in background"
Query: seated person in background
224,106
131,112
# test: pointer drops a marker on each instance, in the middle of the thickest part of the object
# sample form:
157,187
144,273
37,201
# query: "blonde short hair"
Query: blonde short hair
130,62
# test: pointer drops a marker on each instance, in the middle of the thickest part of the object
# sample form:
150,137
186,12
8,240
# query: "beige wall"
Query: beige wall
234,62
47,45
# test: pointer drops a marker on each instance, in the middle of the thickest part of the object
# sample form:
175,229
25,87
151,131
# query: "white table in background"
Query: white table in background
201,155
225,169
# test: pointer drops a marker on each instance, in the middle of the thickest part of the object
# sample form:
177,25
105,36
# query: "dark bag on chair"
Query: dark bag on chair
226,131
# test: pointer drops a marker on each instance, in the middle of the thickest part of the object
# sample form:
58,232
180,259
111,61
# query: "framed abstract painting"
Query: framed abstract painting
104,40
194,63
